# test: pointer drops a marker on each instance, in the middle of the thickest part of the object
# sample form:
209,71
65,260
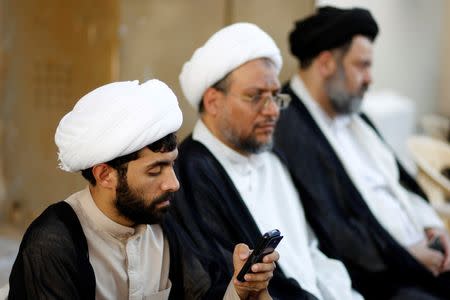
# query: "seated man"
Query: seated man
362,205
234,187
106,241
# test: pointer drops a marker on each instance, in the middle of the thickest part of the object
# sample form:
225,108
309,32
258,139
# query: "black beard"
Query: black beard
131,205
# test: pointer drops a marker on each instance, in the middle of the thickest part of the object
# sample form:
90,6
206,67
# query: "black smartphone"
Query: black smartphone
265,245
435,244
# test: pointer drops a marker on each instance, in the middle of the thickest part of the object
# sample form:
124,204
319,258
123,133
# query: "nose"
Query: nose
368,76
270,107
171,183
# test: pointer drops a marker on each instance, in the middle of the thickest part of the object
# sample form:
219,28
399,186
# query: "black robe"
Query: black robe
344,225
211,210
53,262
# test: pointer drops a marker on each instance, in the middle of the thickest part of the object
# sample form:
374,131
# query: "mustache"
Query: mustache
164,197
270,121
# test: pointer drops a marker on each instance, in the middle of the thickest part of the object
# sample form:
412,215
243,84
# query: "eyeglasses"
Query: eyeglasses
260,101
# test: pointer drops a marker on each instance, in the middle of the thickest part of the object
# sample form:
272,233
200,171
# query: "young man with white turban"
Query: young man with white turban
234,187
110,240
365,209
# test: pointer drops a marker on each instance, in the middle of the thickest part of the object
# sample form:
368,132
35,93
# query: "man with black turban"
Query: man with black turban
365,209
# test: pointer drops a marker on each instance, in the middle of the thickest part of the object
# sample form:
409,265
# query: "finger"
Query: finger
444,268
258,277
251,286
263,267
436,270
272,257
250,291
446,263
434,267
446,245
242,251
240,255
445,242
436,256
436,260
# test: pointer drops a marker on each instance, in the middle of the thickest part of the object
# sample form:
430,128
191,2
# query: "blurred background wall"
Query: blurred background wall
53,52
444,80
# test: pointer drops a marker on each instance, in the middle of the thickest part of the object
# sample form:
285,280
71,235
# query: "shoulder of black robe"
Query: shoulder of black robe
339,216
211,211
53,259
192,275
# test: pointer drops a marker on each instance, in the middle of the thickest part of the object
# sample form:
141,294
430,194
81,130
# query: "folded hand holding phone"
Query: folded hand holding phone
254,269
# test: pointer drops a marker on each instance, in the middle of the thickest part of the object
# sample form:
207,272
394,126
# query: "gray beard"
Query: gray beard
342,102
249,145
345,104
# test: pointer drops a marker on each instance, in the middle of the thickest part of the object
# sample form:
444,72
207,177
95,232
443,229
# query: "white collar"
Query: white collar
314,108
102,223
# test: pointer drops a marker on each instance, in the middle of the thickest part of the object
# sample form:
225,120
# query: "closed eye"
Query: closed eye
155,171
158,167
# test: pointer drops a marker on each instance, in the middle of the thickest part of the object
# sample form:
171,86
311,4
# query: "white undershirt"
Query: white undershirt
373,181
116,254
381,194
270,195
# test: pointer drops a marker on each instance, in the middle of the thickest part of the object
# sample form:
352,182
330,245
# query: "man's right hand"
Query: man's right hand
255,286
430,258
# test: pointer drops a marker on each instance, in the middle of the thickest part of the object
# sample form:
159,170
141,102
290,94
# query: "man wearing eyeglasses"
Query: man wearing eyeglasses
234,188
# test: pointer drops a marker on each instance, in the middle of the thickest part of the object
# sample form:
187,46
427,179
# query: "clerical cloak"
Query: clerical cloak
344,225
211,210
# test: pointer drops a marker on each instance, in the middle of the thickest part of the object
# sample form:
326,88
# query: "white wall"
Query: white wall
407,55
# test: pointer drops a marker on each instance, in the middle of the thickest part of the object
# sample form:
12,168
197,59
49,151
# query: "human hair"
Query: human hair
165,144
222,85
339,51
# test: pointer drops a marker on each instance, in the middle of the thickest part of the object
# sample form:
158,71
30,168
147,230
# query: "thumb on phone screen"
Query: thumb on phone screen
240,256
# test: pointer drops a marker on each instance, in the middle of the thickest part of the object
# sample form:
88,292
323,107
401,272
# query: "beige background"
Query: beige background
157,37
53,52
444,99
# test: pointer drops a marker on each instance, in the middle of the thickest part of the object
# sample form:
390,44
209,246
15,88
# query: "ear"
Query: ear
211,101
105,176
326,63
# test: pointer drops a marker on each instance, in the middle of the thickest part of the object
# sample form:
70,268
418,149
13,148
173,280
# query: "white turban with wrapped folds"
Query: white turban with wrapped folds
226,50
114,120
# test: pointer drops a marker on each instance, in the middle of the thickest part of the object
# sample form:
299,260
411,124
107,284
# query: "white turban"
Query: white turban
226,50
114,120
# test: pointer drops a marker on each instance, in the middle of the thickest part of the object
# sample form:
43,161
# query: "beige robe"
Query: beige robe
115,253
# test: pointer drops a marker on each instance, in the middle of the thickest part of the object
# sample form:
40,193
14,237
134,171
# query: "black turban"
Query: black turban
330,28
